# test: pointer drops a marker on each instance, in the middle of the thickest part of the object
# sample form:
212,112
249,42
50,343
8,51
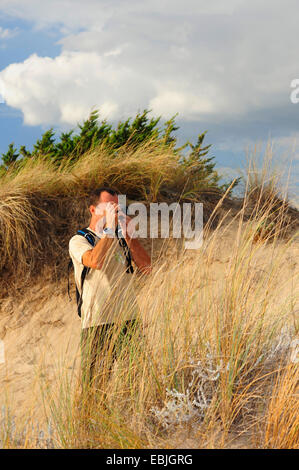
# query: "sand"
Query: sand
40,331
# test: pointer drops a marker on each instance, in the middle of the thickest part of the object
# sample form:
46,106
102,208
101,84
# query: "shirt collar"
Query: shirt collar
96,234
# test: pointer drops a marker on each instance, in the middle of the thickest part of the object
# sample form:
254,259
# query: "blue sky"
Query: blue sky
23,42
221,65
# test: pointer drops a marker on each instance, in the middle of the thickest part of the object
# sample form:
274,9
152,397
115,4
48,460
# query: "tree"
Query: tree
133,133
46,145
65,147
10,157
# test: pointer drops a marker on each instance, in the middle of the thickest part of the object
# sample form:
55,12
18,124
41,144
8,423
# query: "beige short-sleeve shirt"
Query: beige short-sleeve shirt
108,293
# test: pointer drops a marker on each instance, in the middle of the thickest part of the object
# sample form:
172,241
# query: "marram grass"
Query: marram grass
210,359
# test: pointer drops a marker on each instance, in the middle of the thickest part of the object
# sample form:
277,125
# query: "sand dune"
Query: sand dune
40,328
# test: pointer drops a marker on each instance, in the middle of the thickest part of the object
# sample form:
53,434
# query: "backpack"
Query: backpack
91,239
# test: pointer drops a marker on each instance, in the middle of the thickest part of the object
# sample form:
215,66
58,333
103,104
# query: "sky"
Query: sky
223,66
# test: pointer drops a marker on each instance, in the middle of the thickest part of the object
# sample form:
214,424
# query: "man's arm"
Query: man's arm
139,255
95,257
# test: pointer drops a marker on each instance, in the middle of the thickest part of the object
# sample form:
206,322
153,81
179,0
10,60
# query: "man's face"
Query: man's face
98,211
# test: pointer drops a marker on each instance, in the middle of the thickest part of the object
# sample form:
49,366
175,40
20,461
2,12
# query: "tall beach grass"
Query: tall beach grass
210,361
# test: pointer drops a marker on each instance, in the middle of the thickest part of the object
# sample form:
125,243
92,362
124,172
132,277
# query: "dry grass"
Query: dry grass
213,342
45,205
282,419
209,343
266,192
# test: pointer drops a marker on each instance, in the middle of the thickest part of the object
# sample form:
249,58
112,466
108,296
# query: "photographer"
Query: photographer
104,277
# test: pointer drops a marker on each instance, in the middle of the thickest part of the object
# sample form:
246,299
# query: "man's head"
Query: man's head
97,202
103,194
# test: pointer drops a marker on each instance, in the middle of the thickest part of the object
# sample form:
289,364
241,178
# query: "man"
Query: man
108,299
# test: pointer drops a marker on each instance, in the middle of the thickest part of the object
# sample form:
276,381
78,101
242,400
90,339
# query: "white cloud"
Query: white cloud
169,101
64,89
209,61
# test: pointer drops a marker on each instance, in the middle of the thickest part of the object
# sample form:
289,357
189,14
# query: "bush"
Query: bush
70,147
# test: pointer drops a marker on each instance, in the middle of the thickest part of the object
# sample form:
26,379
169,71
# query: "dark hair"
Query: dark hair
96,193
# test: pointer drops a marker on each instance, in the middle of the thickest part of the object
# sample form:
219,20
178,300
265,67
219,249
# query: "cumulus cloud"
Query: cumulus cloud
64,89
213,62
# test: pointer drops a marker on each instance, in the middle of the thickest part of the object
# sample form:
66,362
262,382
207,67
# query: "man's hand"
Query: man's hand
114,215
95,257
123,221
111,214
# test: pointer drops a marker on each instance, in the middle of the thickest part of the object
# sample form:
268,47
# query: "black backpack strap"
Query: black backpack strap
126,249
79,298
127,253
91,239
84,232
